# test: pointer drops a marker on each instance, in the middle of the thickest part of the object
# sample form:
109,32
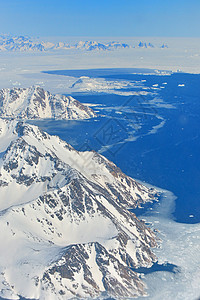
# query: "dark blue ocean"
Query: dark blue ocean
168,158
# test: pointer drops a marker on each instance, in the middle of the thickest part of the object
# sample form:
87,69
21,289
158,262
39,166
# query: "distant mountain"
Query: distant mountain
21,43
164,46
66,227
93,45
36,103
145,45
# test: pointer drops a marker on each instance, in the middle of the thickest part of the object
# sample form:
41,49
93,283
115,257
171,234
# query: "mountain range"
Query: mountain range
23,43
66,226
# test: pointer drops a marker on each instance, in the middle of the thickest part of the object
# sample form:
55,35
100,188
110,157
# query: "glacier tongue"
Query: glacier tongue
66,230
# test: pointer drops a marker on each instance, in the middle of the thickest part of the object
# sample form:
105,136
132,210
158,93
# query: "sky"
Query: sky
170,18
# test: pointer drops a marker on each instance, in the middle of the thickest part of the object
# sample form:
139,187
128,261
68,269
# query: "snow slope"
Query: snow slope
65,228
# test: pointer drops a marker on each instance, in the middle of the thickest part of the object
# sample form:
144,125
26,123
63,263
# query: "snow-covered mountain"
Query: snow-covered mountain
66,230
19,43
145,45
93,45
23,43
35,103
164,46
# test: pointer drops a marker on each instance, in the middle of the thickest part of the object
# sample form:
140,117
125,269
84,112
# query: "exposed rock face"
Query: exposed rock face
35,103
66,230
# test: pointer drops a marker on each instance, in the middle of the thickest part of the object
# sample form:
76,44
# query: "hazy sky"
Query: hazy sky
100,17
